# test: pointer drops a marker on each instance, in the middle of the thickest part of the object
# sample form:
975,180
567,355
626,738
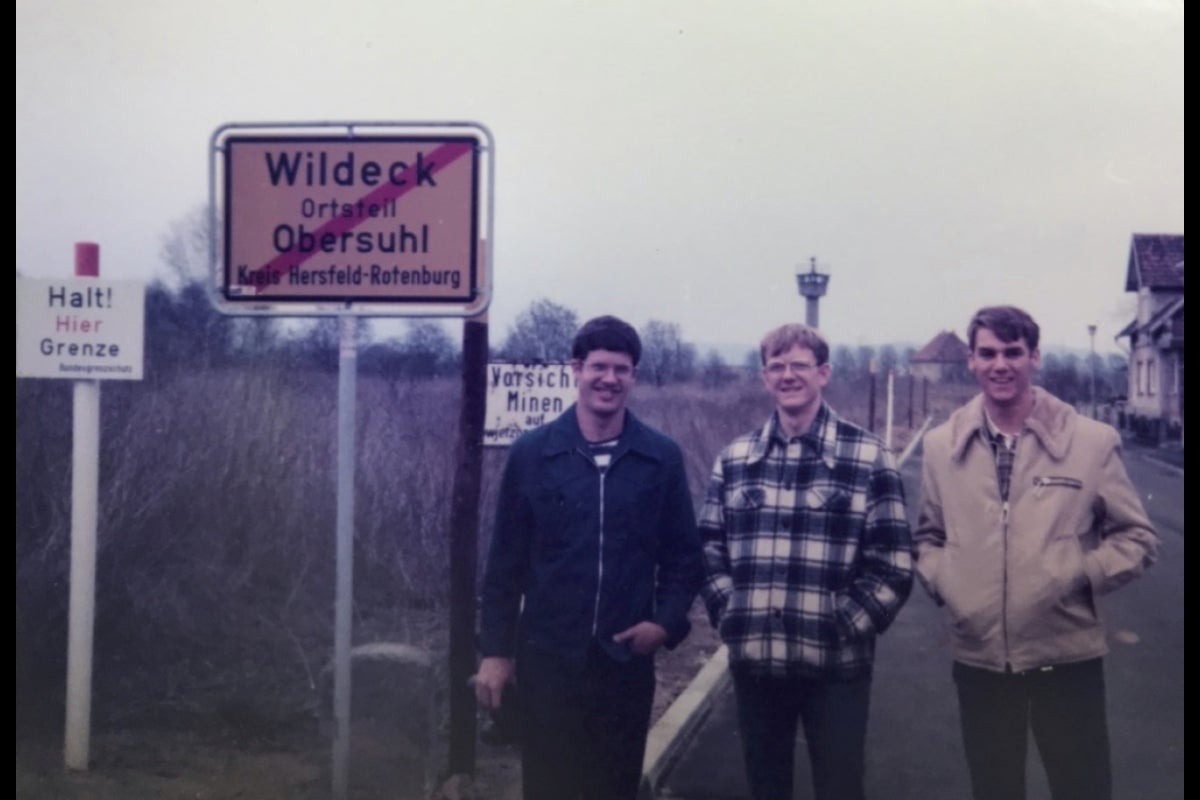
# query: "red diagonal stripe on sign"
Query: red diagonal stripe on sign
438,160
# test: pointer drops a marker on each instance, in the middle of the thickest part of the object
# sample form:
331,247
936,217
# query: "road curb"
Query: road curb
676,726
1174,469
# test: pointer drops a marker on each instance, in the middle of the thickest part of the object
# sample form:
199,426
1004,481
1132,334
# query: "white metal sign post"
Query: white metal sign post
87,330
351,219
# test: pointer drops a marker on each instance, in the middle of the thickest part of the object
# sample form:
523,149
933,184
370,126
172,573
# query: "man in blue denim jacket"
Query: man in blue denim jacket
593,565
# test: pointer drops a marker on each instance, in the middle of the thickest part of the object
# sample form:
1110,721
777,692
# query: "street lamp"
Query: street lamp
1092,365
812,286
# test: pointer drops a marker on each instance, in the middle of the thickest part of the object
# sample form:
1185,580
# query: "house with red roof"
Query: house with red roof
1155,272
943,359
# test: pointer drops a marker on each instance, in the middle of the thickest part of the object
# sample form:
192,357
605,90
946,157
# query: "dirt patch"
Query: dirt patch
236,756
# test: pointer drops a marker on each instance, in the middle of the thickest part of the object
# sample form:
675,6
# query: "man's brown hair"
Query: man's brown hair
607,333
1009,323
785,337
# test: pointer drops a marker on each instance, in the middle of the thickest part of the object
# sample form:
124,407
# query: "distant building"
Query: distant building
1155,272
943,359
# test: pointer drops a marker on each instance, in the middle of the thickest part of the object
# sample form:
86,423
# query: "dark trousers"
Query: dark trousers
583,727
834,716
1064,706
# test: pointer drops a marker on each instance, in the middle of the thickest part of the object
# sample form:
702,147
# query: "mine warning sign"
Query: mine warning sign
342,218
521,397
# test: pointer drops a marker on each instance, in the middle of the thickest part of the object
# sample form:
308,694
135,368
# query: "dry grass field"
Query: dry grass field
215,584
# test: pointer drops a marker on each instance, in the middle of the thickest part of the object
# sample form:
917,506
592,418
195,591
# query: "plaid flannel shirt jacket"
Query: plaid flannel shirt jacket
807,548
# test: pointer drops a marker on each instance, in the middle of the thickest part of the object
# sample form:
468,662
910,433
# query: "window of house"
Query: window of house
1150,376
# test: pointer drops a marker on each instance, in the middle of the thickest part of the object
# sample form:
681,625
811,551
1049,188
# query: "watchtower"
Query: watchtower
812,286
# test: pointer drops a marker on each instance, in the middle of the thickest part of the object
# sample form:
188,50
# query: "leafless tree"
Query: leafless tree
542,332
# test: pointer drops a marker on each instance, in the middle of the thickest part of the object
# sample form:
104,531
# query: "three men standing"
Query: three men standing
808,558
594,564
1027,516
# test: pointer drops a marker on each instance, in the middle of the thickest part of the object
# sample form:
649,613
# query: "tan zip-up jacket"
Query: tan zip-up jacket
1020,579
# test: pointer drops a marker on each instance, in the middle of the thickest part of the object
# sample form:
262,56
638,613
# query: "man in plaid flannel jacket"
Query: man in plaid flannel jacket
808,558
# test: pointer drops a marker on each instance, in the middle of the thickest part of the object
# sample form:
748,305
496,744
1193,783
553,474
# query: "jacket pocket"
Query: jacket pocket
973,592
632,514
744,507
829,511
1043,482
827,498
745,497
1064,573
837,627
550,506
556,518
732,615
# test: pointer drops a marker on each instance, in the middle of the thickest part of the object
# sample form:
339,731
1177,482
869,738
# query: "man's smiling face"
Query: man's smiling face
1004,369
605,378
795,380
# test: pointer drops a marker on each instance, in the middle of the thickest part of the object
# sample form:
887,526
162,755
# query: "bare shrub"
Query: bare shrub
216,531
405,477
43,522
702,421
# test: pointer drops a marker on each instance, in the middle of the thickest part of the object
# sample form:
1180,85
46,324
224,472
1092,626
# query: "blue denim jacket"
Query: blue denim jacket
576,555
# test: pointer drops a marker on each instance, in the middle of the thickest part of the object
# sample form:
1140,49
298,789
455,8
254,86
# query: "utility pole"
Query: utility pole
1092,366
871,396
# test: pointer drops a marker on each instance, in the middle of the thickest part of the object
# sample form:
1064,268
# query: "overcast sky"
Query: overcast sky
660,160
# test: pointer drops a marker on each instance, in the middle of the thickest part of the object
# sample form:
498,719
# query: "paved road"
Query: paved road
913,747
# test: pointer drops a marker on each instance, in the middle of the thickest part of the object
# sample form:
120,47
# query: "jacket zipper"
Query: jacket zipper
1004,598
599,559
600,543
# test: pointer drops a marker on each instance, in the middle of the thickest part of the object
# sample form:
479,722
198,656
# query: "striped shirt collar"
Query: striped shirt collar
602,452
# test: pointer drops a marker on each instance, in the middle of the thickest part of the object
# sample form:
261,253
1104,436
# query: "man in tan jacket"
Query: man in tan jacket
1027,516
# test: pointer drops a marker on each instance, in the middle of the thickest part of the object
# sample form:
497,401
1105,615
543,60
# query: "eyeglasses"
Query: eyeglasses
778,368
601,368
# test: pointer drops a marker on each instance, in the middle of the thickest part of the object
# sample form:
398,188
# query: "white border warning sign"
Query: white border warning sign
520,397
